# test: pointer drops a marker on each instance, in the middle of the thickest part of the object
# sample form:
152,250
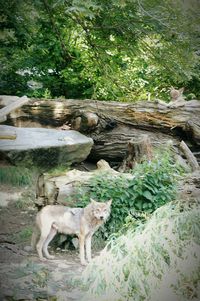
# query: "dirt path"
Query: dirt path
22,275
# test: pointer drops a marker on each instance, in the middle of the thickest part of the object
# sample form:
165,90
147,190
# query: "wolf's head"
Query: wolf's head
101,211
176,94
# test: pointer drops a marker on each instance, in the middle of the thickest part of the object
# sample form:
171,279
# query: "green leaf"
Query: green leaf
145,206
138,205
147,194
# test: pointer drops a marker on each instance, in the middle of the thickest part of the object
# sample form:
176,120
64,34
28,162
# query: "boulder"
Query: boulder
44,147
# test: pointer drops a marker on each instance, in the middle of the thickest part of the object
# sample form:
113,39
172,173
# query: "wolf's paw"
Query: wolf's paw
84,262
50,257
43,259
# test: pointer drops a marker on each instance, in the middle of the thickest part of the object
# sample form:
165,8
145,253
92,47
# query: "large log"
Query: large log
12,106
112,124
62,188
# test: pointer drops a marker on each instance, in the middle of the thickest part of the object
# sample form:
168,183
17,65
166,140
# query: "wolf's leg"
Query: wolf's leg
34,238
88,247
43,236
54,226
51,235
82,249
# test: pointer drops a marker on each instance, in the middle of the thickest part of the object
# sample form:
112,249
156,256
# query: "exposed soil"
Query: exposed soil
22,275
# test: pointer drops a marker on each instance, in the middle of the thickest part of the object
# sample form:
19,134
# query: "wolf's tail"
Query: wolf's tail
34,238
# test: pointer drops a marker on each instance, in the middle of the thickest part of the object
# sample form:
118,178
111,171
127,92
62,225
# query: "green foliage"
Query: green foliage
58,171
24,235
152,185
158,257
16,176
112,50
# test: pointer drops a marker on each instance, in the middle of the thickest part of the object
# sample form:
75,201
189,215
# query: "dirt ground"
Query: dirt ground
22,275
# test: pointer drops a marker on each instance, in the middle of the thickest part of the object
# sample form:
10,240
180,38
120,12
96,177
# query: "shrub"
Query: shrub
152,185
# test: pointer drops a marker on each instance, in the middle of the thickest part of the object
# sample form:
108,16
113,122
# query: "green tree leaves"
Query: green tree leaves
116,50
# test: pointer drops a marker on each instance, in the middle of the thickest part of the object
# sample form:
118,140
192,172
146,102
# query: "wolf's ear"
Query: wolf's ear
109,202
92,201
181,90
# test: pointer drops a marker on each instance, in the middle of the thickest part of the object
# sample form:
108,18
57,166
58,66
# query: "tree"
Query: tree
118,49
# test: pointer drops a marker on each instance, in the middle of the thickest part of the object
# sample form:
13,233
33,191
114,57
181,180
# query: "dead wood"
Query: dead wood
61,189
189,156
12,106
138,150
112,124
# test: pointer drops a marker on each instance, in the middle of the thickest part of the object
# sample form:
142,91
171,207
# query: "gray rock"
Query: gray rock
45,147
28,249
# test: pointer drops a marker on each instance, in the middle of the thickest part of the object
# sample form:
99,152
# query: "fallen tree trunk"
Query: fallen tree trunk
189,156
17,103
61,189
112,124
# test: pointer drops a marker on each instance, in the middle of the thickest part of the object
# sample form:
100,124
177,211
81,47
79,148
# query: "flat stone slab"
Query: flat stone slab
44,147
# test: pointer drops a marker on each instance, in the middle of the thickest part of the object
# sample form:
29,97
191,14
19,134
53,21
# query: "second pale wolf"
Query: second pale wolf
83,222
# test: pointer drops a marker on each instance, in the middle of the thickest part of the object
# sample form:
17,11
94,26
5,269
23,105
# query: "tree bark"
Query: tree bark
112,124
12,107
138,150
189,156
61,189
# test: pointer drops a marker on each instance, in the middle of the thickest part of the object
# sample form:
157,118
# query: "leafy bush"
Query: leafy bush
156,261
152,184
89,49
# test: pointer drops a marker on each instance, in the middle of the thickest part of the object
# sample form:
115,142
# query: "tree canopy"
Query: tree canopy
113,50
